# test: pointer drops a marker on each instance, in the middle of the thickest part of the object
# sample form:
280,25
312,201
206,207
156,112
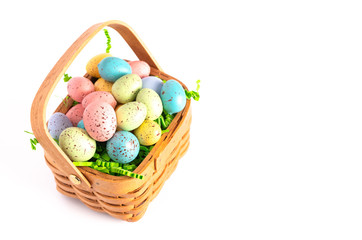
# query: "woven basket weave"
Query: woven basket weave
120,196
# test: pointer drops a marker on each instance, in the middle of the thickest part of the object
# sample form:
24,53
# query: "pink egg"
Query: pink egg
75,114
140,68
100,121
99,96
79,87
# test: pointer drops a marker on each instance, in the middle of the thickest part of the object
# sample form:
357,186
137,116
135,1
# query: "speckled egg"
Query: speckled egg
75,114
140,68
131,115
99,96
92,65
100,121
81,124
126,88
57,123
148,133
123,147
152,101
118,106
77,144
112,68
153,83
103,85
79,87
173,97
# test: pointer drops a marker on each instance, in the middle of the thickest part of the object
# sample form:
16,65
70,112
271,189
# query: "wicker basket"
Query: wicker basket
121,197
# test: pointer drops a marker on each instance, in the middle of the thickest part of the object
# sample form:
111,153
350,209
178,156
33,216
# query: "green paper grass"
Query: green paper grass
108,40
122,171
103,163
66,77
194,94
33,141
113,168
164,120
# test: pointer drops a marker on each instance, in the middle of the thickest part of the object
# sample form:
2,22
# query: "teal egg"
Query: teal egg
173,97
81,124
123,147
112,68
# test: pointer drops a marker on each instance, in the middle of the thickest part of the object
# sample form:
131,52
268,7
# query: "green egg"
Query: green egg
77,144
126,88
152,101
131,115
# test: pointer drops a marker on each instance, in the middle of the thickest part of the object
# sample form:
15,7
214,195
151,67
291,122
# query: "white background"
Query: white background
276,137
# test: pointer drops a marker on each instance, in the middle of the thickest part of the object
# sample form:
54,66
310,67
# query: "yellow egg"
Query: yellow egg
92,65
148,133
103,85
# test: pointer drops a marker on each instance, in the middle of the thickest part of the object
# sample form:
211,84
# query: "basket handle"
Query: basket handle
40,102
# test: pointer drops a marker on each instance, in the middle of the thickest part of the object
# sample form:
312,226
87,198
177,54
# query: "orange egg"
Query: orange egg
92,65
118,106
103,85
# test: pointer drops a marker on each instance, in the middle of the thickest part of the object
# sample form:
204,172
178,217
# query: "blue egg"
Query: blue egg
57,123
173,97
81,124
153,83
112,68
123,147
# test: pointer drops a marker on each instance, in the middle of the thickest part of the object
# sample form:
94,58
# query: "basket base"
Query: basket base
122,207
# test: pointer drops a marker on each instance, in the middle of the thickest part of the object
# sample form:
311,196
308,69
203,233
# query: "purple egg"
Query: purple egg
57,123
123,147
153,83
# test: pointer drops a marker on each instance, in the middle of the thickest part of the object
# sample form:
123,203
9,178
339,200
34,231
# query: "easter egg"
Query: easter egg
140,68
118,106
152,101
123,147
75,114
173,97
100,121
92,65
126,88
99,96
76,143
103,85
57,123
81,124
153,83
131,115
148,133
79,87
112,68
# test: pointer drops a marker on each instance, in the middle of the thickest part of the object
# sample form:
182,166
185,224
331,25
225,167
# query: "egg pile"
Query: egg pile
119,109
